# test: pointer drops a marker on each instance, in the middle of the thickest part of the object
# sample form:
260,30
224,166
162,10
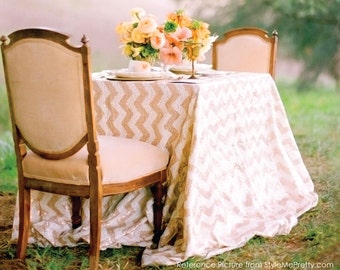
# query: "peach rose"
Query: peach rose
147,25
157,40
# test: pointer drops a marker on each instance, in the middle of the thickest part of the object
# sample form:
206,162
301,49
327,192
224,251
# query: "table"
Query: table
235,169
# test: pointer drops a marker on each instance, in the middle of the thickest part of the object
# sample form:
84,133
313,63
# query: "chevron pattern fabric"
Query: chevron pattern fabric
235,169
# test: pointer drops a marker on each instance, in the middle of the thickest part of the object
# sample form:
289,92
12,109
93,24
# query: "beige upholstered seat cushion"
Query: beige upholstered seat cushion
121,160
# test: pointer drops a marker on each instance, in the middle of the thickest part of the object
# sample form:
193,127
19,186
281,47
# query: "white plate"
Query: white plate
186,68
212,72
115,78
125,74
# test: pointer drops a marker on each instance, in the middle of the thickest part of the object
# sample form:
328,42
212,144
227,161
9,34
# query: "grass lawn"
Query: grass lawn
315,120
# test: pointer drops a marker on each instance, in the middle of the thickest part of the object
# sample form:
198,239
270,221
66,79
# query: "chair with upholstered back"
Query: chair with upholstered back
54,131
246,49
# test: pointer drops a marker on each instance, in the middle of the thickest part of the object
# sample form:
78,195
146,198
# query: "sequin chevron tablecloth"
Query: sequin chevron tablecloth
235,169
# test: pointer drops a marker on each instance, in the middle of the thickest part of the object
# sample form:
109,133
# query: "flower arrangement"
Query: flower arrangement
186,38
141,37
179,38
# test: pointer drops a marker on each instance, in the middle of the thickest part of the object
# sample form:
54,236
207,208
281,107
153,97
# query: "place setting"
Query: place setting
136,71
173,74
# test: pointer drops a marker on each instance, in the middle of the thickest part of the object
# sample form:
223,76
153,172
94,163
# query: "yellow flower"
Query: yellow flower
180,18
193,50
136,51
207,43
124,31
137,36
137,14
127,50
200,31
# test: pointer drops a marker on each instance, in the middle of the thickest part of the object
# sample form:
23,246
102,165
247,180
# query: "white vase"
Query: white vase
139,66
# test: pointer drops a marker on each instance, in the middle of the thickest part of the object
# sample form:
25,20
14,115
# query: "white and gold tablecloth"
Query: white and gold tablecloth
235,169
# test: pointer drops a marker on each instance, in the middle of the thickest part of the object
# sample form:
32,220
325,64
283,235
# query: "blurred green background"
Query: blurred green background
309,33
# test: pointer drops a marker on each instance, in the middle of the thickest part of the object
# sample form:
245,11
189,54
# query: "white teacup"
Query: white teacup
139,66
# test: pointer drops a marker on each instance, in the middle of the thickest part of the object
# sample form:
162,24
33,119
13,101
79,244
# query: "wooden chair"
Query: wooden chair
57,147
246,49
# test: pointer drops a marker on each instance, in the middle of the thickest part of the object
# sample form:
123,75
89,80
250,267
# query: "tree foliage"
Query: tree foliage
309,30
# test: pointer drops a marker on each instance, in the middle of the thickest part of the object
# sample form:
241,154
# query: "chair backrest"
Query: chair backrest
48,82
246,49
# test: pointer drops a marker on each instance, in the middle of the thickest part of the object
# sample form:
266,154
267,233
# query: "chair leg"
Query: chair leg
24,221
76,218
158,191
95,230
